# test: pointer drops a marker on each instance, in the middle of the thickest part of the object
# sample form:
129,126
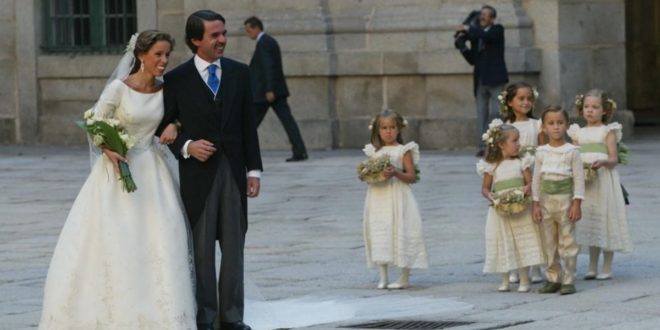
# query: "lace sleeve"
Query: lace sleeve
573,133
578,175
369,150
414,150
536,177
617,129
109,100
484,167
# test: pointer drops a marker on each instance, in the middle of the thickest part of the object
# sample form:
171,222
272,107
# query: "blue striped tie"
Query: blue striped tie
213,81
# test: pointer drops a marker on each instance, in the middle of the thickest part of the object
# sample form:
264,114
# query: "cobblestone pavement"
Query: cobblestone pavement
305,240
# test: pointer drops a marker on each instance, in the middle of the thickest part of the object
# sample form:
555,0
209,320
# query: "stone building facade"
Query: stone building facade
345,60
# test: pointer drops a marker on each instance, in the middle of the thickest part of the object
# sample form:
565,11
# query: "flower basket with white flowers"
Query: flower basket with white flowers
510,202
372,170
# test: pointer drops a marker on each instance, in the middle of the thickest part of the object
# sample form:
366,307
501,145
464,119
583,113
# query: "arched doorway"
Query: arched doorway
643,60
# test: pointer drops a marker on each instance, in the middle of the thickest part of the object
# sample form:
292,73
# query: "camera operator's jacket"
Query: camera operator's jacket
486,53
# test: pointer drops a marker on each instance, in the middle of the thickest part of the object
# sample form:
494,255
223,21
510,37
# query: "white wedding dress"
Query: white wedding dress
123,260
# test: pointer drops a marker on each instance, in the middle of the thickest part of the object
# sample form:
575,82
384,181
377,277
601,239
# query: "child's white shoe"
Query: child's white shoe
604,276
382,283
523,288
504,288
591,275
536,274
513,277
398,286
402,282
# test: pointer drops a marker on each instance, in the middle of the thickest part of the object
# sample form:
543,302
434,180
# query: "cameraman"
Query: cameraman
486,54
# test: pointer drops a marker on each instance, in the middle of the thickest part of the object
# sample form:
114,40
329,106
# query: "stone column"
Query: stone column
8,87
27,106
584,47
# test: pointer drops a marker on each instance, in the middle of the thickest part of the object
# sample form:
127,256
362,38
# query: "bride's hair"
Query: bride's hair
145,40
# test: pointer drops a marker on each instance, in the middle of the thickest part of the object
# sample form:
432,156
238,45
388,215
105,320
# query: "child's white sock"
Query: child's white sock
608,256
403,282
524,279
504,286
382,270
536,274
594,253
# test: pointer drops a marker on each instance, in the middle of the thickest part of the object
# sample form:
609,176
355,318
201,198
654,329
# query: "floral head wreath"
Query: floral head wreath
579,102
130,46
493,132
504,108
373,122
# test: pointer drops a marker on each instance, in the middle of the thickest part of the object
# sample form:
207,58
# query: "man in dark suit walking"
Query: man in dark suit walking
269,86
486,54
219,163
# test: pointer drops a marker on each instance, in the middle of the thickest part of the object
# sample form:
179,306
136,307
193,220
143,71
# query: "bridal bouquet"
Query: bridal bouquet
371,170
510,202
108,132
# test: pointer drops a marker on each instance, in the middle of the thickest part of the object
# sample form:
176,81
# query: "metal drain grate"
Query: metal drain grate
408,325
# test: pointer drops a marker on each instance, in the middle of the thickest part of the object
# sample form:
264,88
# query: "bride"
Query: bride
123,260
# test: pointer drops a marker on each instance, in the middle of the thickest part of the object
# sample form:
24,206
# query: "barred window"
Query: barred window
88,26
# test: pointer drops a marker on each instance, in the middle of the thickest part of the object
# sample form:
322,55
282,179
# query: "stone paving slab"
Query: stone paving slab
305,239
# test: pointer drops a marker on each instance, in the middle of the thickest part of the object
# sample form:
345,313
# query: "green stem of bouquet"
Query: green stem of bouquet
126,178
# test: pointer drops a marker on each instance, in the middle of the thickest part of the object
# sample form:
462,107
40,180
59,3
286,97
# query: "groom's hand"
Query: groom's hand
253,185
201,150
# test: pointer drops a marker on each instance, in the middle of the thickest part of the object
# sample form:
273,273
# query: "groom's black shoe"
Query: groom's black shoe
201,326
297,158
234,326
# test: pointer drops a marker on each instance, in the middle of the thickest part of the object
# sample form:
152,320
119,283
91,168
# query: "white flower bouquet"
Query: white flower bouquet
109,132
590,173
510,202
371,170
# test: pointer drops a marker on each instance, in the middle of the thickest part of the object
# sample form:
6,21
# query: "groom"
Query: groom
219,163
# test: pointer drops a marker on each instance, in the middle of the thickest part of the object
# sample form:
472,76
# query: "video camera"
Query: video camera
461,37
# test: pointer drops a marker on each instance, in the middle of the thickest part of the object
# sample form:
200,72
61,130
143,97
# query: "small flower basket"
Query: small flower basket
371,170
511,202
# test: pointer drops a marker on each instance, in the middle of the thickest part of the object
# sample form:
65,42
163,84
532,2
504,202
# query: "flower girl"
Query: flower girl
513,241
604,225
516,106
392,223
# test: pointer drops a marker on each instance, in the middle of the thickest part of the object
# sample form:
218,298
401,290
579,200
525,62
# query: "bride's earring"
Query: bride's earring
141,66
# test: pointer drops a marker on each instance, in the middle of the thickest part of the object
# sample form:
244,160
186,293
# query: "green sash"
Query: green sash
508,184
557,187
594,147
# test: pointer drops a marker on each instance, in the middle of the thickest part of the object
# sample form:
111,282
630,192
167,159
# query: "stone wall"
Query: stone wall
345,60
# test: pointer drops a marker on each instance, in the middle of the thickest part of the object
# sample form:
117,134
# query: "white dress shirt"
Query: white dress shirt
202,67
261,34
558,162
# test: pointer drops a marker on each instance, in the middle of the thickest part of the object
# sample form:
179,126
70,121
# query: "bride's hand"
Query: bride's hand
169,134
115,158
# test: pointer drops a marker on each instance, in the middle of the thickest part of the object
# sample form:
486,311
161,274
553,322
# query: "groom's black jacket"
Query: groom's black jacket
228,121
